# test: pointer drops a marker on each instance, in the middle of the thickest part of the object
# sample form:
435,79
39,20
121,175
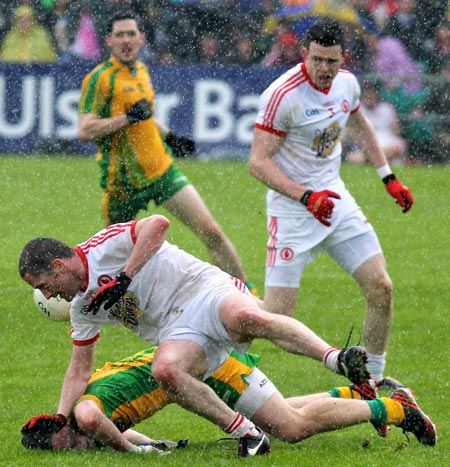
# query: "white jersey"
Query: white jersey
157,294
311,121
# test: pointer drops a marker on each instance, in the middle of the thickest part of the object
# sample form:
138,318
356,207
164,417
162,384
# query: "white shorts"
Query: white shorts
350,254
200,323
259,389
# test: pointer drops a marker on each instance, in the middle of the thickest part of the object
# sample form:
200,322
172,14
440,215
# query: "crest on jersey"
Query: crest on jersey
326,140
127,311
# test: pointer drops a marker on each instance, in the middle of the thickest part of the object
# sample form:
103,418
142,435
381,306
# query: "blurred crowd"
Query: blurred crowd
399,49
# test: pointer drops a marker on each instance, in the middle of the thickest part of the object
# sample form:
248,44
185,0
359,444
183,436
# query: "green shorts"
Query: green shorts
160,191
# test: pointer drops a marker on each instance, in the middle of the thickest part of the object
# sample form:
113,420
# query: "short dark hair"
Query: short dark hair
37,255
326,32
41,440
119,16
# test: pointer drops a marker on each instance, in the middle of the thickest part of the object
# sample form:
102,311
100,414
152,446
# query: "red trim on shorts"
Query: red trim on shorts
272,243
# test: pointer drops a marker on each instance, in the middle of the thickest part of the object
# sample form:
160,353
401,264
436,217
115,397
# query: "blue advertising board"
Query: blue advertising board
215,105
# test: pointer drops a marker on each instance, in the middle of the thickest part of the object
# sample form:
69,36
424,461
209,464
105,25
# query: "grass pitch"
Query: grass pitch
59,196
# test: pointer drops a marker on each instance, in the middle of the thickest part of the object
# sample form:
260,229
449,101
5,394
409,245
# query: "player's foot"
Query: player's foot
250,446
368,392
389,384
252,289
351,362
415,420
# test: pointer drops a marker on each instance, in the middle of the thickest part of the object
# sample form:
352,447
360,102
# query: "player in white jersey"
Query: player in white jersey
129,274
296,152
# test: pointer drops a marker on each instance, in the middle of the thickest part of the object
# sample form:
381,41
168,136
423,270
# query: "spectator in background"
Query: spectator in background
27,41
439,48
209,50
86,44
437,107
63,21
388,58
385,120
286,50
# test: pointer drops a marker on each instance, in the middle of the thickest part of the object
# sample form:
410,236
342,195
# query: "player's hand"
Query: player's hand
44,423
180,145
401,193
141,110
319,204
110,293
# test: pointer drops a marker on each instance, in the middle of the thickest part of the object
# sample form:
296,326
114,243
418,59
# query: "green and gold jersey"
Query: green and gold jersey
135,156
127,392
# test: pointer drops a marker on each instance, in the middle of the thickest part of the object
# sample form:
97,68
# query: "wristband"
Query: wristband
388,178
304,199
384,171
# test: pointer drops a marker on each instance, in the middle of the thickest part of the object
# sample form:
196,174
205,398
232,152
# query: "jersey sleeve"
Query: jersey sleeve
273,113
356,95
92,100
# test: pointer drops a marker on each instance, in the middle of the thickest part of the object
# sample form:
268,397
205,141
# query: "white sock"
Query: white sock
241,426
330,359
376,365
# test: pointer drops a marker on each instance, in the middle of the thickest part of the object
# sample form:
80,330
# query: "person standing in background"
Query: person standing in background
116,111
296,152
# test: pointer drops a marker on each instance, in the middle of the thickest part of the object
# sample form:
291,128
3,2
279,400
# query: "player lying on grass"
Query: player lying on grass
124,393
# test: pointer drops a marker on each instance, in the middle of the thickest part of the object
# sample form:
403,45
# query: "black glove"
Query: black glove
181,146
110,293
44,423
139,111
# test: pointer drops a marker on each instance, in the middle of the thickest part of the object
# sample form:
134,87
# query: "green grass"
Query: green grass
60,197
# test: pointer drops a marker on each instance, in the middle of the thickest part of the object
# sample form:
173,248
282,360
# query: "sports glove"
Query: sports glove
319,204
110,293
139,111
44,423
181,146
401,193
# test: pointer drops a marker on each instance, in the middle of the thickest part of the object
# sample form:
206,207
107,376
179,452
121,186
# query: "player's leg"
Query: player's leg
286,260
278,418
361,257
188,206
179,367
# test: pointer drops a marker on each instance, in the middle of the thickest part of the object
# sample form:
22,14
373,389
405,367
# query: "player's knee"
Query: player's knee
166,374
87,419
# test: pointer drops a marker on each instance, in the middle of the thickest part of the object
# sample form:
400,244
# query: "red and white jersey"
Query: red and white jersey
157,294
312,121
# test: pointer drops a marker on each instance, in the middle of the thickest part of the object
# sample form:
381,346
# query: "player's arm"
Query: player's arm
365,137
261,166
150,235
77,376
92,127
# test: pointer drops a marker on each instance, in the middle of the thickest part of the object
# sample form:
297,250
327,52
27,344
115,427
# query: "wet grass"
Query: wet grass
59,196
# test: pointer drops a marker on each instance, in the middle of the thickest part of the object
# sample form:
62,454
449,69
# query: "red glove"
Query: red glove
319,204
401,193
110,293
44,423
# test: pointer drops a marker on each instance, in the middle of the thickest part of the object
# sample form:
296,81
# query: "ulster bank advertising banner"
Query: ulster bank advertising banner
215,105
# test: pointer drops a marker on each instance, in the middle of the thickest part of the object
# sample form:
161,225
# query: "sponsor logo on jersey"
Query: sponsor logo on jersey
127,311
312,112
326,140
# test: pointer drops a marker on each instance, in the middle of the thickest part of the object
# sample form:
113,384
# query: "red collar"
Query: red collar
310,81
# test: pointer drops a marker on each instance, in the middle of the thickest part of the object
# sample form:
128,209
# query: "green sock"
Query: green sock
379,411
